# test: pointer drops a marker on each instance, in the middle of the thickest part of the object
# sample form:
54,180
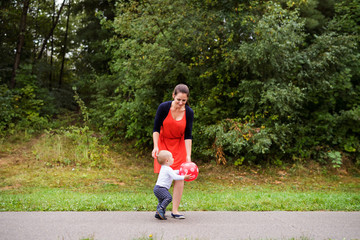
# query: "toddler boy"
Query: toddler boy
164,181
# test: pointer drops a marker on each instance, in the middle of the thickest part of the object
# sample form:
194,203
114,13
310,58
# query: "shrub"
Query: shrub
20,109
71,146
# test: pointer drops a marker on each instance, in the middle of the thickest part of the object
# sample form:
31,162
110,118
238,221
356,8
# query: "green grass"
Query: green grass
249,199
29,183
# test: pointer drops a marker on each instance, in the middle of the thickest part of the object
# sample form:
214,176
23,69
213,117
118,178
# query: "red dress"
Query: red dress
171,138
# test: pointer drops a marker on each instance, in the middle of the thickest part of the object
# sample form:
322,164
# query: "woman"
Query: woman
172,132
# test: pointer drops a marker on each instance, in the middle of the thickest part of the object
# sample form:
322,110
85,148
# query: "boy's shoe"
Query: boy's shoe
161,213
157,216
178,216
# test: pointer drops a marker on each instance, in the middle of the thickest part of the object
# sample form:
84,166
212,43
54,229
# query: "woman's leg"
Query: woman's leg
177,194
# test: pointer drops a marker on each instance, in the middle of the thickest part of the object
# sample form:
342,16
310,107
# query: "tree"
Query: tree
20,43
261,82
52,47
65,44
93,57
51,32
9,18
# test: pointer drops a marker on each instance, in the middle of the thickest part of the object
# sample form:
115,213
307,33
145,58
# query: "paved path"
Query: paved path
197,225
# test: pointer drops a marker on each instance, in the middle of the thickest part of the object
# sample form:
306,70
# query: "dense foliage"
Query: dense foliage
270,81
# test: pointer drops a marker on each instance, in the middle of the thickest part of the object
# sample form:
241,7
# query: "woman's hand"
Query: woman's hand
155,152
188,177
188,159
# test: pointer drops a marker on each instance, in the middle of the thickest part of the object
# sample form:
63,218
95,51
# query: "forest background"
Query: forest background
271,82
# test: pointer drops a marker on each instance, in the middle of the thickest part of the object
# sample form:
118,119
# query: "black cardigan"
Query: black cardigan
163,111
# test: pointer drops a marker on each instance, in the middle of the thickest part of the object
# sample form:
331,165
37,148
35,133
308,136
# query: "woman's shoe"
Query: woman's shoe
178,216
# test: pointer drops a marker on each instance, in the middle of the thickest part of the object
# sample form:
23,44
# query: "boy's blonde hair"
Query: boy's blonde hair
163,156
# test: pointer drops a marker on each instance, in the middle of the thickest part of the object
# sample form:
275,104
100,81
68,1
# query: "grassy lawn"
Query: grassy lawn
29,183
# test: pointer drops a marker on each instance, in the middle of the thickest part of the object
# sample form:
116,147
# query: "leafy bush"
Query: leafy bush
335,158
71,146
20,109
26,107
239,138
6,108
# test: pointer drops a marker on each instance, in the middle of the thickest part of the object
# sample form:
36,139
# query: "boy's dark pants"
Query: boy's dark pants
163,196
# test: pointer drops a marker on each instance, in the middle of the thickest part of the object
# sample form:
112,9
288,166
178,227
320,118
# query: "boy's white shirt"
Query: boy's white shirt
167,175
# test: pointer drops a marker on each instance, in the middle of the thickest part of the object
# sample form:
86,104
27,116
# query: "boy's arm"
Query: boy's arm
174,174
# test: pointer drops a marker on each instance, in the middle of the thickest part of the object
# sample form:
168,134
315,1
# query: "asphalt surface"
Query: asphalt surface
197,225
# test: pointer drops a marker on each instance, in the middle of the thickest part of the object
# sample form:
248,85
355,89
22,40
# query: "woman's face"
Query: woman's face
180,99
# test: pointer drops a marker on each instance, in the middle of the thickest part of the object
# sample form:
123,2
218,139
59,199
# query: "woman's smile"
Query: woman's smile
180,100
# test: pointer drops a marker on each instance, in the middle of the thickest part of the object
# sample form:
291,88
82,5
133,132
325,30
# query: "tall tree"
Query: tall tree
91,33
65,45
51,32
52,48
9,20
20,43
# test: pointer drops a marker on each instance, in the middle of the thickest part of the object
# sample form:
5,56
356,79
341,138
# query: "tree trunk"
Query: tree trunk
51,31
52,49
65,45
20,42
36,34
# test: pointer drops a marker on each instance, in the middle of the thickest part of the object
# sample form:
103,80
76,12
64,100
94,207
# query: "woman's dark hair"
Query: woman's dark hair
182,88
